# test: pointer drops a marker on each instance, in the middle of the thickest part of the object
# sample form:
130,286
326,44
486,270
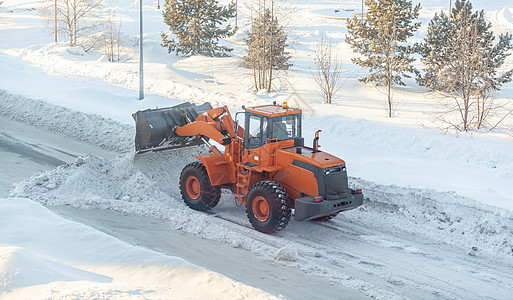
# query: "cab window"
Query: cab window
286,127
257,131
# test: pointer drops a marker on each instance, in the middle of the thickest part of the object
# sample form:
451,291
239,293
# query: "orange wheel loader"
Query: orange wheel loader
265,163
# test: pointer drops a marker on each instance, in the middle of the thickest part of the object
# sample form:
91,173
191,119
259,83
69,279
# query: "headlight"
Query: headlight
334,170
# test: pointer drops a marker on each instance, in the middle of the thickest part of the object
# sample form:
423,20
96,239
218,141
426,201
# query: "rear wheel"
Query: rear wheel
268,206
196,189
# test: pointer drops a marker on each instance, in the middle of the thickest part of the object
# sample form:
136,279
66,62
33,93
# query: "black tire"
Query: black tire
268,206
196,189
325,218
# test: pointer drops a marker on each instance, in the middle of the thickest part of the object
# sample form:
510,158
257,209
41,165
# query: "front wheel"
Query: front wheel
196,189
268,206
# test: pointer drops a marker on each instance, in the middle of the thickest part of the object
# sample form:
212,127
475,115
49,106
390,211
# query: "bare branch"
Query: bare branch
73,17
328,73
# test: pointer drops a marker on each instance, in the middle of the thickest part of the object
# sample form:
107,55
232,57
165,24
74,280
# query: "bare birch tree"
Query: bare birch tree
75,18
328,72
112,38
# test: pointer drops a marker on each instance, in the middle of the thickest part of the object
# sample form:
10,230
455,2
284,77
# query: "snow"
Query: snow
75,261
427,218
441,200
26,150
140,186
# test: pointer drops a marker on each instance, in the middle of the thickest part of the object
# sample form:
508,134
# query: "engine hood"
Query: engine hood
319,159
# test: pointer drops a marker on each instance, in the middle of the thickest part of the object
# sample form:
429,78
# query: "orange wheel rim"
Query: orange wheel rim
261,208
193,187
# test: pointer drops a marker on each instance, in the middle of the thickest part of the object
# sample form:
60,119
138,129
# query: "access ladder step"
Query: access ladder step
240,197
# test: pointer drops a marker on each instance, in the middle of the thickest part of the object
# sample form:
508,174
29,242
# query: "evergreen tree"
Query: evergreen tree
196,25
266,49
381,39
462,59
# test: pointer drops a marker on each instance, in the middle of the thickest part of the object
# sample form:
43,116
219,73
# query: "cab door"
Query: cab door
256,132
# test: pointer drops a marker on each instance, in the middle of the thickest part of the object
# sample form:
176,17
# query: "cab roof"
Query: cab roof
273,110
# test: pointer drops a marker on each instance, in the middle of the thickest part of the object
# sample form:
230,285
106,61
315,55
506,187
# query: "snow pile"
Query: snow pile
444,217
287,254
90,128
95,182
145,185
78,262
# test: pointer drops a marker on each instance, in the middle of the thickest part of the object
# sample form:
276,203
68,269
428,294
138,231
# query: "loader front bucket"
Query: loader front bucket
155,128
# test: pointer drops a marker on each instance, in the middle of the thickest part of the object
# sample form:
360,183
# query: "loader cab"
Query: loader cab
271,123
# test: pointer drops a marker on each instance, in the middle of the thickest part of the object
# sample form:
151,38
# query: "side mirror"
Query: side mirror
236,129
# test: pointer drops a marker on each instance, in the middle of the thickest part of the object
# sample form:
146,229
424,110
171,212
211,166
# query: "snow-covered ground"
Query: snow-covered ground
52,258
438,221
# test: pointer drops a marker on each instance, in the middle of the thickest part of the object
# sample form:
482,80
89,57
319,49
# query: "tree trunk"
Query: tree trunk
465,112
271,48
389,96
388,79
55,16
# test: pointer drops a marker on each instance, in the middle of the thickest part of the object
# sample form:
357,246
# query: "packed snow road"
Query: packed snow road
440,274
238,264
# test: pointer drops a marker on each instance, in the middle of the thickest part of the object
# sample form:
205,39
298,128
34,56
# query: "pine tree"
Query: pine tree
462,60
381,39
266,49
196,25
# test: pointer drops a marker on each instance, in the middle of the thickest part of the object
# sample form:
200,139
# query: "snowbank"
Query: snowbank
447,217
75,261
90,128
